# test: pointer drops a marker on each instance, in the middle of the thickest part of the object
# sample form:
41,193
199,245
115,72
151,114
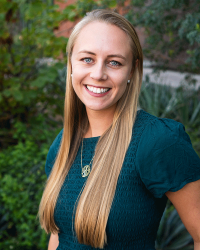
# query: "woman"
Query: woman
111,169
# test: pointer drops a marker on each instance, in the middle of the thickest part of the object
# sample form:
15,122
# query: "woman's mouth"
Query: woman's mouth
97,90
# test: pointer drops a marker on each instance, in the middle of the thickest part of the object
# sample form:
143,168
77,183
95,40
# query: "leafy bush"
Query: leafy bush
31,104
22,182
28,85
172,32
172,234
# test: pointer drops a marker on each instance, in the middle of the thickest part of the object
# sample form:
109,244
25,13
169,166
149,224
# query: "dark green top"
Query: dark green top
160,157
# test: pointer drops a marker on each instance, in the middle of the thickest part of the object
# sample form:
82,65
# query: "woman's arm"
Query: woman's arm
53,242
187,203
196,245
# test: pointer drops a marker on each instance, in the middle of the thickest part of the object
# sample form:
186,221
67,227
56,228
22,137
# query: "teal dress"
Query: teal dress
160,158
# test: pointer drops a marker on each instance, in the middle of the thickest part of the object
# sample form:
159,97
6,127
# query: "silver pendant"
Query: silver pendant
85,171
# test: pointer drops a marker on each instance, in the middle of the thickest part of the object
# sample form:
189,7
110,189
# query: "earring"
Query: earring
128,81
71,75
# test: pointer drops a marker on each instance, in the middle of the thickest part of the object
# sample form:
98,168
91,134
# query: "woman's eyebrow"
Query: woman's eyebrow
86,51
92,53
117,55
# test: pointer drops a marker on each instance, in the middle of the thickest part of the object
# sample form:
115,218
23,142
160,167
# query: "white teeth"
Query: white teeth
97,90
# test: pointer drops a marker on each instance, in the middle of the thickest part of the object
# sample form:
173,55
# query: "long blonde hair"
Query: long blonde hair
94,203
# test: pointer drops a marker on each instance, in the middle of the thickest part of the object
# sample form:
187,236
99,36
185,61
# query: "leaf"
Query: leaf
40,82
7,93
69,12
17,94
195,113
112,3
33,10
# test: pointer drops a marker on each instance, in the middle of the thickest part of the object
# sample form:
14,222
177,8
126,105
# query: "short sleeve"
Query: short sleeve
166,160
51,156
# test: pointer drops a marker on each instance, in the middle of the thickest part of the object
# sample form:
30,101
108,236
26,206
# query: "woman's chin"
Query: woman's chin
101,108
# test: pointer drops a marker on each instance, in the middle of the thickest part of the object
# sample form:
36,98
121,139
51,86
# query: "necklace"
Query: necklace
86,168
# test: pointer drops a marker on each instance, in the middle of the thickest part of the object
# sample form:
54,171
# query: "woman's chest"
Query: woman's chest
134,214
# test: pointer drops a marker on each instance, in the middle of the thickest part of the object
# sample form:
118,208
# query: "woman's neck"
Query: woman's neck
99,121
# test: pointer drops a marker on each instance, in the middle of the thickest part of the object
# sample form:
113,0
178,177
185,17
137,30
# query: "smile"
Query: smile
97,90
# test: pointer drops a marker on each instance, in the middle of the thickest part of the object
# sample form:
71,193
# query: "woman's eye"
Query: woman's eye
115,63
87,60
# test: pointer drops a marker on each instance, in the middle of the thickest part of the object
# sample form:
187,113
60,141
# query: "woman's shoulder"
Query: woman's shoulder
53,150
165,158
162,130
146,118
56,143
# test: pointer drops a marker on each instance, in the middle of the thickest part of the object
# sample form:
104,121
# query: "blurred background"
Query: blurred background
33,38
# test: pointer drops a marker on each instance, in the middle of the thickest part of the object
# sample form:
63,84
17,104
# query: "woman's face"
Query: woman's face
101,65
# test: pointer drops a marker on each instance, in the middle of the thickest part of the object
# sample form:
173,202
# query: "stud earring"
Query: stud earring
71,75
128,81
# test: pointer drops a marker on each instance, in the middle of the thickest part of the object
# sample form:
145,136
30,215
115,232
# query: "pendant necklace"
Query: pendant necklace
86,169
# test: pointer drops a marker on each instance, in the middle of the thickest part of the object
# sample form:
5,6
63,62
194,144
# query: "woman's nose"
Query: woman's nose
98,72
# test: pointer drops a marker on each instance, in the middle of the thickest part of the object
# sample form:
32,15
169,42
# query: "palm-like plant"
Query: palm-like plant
172,234
181,104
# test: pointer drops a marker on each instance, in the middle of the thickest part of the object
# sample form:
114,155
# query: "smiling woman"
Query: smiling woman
112,167
101,67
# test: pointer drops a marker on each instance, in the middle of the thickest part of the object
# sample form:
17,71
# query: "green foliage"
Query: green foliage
172,30
31,104
194,133
81,7
180,103
22,182
172,234
27,83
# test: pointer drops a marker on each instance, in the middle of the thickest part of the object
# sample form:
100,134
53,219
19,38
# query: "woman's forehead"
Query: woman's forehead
101,37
